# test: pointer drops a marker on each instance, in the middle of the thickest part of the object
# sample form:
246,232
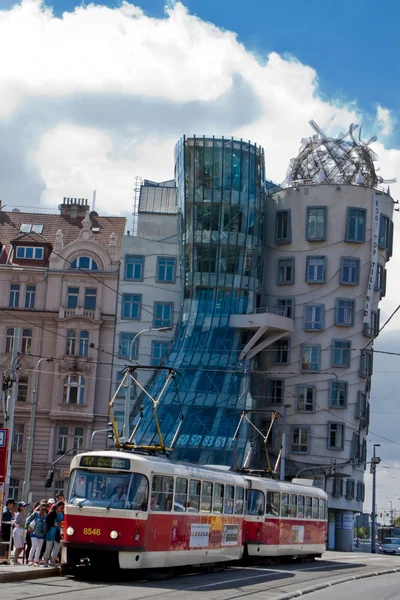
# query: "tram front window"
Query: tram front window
111,490
255,502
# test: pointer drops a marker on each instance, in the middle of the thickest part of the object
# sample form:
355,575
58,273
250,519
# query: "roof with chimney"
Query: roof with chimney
37,228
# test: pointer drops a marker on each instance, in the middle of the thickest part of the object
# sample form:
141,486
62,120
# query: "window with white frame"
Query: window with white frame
158,352
335,436
30,252
134,267
355,230
283,230
305,398
344,312
128,345
14,295
316,223
26,341
72,297
70,342
366,363
131,304
275,391
79,433
341,350
10,336
13,488
23,382
280,352
62,443
314,317
372,329
285,307
28,227
338,393
380,283
84,262
74,389
310,360
83,343
30,295
300,440
163,312
90,299
285,270
315,269
350,271
166,269
385,232
18,437
59,487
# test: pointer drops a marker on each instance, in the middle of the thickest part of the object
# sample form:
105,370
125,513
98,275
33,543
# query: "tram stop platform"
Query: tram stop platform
9,573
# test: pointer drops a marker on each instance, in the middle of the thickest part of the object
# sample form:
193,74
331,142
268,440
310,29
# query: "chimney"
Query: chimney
74,208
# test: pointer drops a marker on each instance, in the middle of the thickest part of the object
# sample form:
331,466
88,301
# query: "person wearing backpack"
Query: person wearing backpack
53,536
36,523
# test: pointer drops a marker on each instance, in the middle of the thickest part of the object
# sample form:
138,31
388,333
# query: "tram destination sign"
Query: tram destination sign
106,462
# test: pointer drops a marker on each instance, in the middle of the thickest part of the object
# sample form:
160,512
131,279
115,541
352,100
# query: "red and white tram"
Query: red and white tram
144,512
285,519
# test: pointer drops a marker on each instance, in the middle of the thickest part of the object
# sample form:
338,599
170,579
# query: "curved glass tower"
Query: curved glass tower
220,194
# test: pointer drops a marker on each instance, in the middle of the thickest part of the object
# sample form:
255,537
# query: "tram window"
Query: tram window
194,495
180,502
218,501
285,505
239,501
273,503
206,496
255,502
229,496
308,507
322,506
293,505
315,508
161,493
300,507
109,490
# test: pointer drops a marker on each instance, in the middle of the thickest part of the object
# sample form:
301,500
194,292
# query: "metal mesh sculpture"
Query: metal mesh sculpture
344,159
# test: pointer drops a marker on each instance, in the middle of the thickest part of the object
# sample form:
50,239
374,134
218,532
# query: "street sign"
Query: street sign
3,453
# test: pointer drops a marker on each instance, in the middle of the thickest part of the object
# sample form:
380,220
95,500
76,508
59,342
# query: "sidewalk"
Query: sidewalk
9,573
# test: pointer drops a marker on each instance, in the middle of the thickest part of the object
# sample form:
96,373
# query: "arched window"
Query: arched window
84,262
26,341
83,343
71,339
74,389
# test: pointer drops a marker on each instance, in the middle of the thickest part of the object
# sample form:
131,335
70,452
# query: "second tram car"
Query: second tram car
136,511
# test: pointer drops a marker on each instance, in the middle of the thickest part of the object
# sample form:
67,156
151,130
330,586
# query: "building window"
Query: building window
275,391
26,341
285,307
372,329
344,312
310,358
366,363
28,227
18,437
78,439
131,304
385,230
305,398
350,489
314,317
158,352
134,266
207,261
71,342
14,295
30,252
10,340
300,439
337,487
74,389
62,445
30,294
83,343
72,297
350,271
315,269
127,349
59,487
341,353
338,394
361,409
380,283
360,491
166,268
90,299
283,227
13,489
355,230
316,223
335,436
280,352
285,270
22,388
84,262
163,312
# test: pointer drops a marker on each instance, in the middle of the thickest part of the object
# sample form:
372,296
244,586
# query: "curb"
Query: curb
323,586
36,573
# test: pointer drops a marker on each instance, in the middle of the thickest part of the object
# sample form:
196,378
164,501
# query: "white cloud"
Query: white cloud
385,120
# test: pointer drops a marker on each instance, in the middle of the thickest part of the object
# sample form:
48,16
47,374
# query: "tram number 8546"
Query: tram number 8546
91,531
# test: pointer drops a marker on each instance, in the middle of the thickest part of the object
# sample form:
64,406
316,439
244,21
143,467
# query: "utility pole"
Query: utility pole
374,462
11,397
283,452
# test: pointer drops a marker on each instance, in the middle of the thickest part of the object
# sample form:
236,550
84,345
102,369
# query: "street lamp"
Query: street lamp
374,462
127,407
29,451
283,451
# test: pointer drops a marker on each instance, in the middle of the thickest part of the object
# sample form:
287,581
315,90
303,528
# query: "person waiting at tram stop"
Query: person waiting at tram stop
53,536
36,522
8,517
18,531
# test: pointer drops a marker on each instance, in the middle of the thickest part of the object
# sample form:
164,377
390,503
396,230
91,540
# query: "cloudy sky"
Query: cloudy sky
93,95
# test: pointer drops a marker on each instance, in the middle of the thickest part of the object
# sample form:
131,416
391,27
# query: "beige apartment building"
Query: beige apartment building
58,298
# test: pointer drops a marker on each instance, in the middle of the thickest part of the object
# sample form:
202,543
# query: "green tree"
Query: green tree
396,522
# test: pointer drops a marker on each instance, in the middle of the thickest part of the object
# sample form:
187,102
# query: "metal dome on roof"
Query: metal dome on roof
341,160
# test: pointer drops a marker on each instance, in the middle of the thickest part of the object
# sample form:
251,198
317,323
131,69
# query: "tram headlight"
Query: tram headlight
114,534
70,531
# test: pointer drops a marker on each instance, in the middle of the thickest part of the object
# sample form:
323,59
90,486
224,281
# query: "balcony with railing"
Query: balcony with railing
79,311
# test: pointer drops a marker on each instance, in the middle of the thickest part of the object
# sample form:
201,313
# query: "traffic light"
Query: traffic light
110,431
380,514
49,479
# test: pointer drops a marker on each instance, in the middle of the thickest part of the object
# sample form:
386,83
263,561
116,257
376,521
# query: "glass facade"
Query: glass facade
220,193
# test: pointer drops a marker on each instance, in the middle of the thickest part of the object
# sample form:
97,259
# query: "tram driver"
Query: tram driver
120,494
